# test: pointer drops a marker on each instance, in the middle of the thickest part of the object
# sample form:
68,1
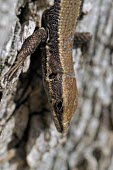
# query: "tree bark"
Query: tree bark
28,137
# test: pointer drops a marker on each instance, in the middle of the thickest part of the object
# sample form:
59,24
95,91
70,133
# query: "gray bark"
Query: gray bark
28,137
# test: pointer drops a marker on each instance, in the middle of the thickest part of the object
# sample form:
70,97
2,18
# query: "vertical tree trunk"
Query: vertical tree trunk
28,138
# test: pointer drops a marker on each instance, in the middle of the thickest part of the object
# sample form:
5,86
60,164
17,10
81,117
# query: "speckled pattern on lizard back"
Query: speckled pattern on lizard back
59,22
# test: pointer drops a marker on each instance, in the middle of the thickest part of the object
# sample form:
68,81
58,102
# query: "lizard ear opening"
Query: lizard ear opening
52,75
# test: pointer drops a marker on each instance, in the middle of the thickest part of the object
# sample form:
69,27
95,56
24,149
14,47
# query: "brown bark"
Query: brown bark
28,138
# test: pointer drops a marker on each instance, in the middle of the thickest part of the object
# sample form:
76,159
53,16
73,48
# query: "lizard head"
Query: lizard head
62,94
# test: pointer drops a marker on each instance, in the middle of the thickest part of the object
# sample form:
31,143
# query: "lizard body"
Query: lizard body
56,35
59,22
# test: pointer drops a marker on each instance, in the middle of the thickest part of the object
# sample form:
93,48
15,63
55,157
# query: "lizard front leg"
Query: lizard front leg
28,48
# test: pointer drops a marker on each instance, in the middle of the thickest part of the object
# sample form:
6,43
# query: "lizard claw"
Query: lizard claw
10,74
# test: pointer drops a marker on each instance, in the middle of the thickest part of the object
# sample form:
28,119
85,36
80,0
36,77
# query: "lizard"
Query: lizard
56,38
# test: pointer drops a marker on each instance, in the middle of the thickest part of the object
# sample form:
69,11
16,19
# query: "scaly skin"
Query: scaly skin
59,22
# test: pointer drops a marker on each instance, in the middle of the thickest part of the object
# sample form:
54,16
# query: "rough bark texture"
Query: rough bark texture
28,138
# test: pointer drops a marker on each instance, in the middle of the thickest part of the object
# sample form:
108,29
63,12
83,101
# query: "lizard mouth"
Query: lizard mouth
58,117
60,125
58,113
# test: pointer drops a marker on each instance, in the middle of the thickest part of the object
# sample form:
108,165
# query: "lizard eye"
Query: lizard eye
52,75
58,106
